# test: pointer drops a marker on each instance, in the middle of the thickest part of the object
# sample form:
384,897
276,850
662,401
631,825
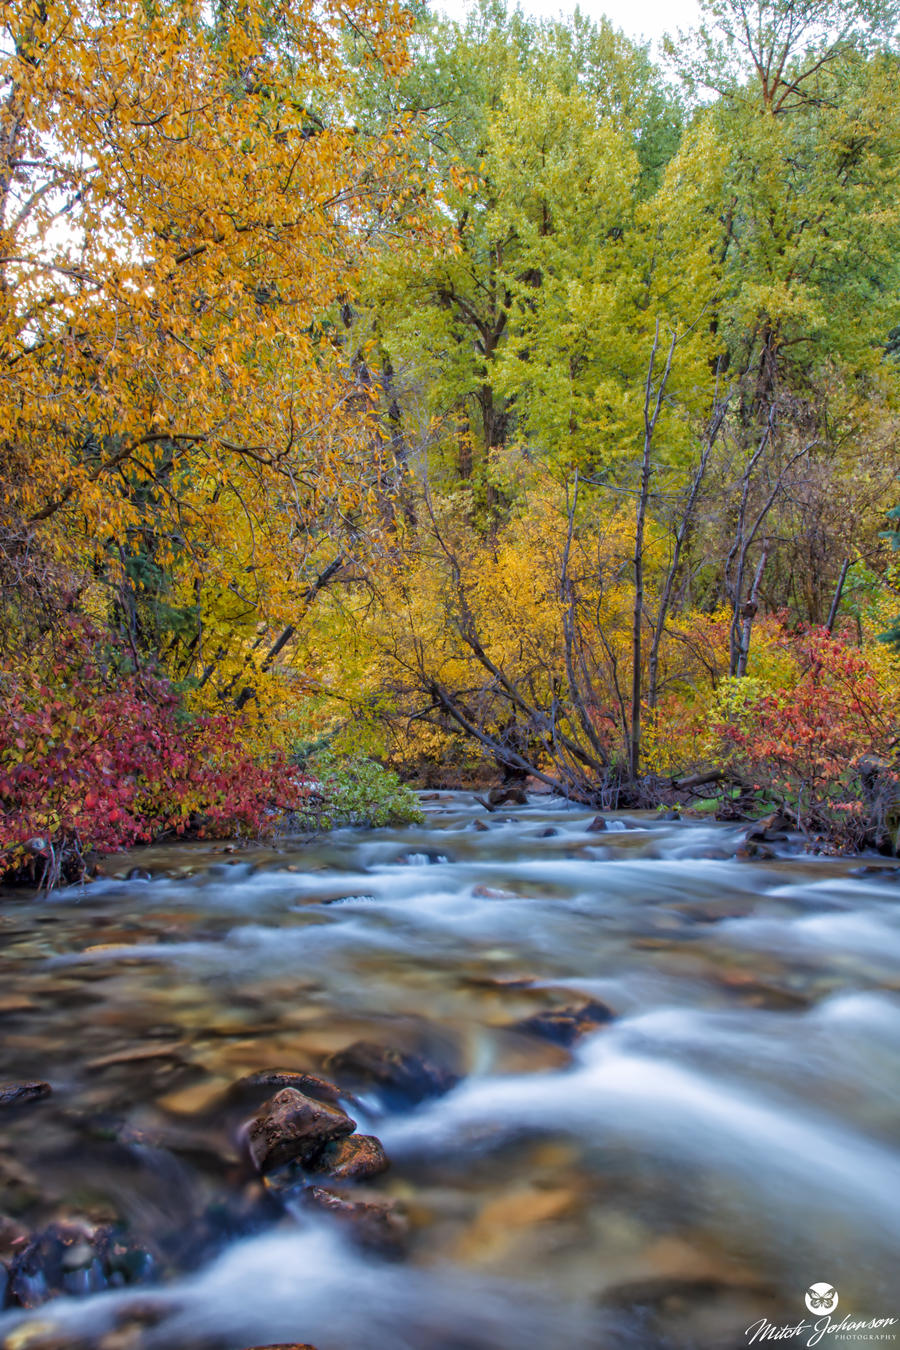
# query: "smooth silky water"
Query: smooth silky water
728,1140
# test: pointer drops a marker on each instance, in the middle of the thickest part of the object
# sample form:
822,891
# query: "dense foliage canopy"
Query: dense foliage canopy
450,393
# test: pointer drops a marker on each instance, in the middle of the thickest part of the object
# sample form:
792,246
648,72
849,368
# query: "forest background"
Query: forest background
388,397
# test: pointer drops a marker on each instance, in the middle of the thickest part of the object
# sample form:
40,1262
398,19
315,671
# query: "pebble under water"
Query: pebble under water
645,1095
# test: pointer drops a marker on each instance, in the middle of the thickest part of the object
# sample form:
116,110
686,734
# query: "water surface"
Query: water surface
728,1140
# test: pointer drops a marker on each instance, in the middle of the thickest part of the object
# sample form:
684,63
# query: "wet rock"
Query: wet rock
672,814
491,893
427,856
512,796
72,1259
597,825
18,1094
292,1125
375,1224
480,825
127,1264
353,1159
549,833
138,874
768,828
284,1345
565,1025
13,1237
754,852
401,1077
309,1083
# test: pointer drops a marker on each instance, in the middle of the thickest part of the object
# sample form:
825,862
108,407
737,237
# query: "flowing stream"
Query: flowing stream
673,1175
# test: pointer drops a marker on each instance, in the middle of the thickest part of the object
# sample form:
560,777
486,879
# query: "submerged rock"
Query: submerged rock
373,1223
73,1259
309,1083
402,1077
355,1158
565,1025
17,1094
512,796
760,852
293,1126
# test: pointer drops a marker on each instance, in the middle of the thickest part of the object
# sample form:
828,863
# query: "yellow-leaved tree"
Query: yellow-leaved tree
183,202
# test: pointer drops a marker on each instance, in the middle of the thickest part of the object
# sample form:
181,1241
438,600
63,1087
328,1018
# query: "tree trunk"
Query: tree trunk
650,420
681,535
748,613
838,592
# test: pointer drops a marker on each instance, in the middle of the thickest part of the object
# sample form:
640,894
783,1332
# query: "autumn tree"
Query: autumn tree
487,89
809,244
183,203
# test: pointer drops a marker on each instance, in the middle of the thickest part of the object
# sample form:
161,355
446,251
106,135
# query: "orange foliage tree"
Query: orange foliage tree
183,201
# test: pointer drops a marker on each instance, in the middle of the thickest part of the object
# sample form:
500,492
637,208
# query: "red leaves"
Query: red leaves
806,740
113,758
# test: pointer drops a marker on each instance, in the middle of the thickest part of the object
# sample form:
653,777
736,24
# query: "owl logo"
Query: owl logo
821,1298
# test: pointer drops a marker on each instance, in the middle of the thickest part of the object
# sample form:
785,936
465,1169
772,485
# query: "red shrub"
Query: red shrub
806,742
94,757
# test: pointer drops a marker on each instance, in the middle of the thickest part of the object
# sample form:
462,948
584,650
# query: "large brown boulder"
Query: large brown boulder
292,1126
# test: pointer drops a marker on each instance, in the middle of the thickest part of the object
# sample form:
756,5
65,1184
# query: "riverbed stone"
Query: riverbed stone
402,1077
355,1158
771,827
309,1083
376,1224
18,1094
293,1126
754,852
597,825
565,1025
64,1258
511,795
